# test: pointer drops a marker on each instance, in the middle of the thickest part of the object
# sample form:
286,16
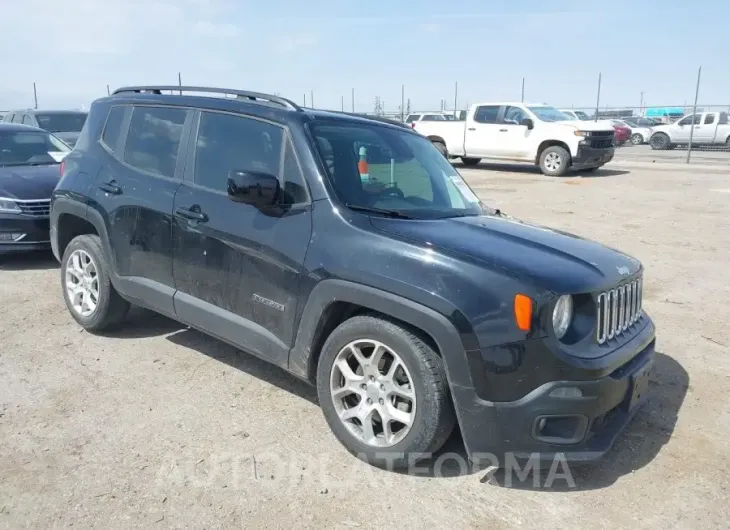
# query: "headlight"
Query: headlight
8,206
582,133
562,315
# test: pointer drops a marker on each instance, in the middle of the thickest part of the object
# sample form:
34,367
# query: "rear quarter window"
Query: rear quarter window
113,128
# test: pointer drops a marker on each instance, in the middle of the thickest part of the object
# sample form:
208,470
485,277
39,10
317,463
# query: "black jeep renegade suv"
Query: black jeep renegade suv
348,251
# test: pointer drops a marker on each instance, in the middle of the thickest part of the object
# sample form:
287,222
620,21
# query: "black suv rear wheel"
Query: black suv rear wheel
87,290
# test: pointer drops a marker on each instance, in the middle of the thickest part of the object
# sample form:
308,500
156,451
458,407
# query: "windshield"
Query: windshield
21,148
392,171
582,115
61,121
549,114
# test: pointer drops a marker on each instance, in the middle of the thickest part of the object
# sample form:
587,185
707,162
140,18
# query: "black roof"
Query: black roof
253,103
18,127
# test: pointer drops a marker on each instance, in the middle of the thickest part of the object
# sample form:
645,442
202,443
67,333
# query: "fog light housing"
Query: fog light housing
11,236
566,392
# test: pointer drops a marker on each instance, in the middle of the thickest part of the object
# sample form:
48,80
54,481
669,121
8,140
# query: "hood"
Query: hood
583,125
558,261
68,137
28,182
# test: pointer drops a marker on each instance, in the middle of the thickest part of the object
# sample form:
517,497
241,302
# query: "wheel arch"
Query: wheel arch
334,301
550,143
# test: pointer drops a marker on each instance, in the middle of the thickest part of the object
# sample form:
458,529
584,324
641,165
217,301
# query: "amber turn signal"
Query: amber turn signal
523,311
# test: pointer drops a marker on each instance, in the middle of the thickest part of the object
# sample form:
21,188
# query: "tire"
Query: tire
110,308
660,142
637,139
433,419
442,149
555,161
470,161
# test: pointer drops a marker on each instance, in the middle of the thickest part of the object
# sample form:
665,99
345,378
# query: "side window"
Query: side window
27,120
723,118
153,141
226,142
710,118
433,117
413,117
113,127
688,120
514,115
486,114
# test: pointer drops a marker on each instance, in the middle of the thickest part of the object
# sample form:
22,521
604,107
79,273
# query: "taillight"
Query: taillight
413,125
62,167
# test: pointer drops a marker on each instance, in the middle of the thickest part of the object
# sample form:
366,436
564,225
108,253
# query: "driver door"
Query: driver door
684,127
514,137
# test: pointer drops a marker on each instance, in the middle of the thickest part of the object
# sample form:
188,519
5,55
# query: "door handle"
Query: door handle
111,187
191,215
472,129
503,130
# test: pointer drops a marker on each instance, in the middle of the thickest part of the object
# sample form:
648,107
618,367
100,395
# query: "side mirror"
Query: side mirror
527,122
253,187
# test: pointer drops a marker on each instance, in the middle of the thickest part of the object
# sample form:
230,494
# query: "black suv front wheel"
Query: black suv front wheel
87,289
383,392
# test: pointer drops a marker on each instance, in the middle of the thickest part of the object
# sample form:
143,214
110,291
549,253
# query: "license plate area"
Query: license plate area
640,385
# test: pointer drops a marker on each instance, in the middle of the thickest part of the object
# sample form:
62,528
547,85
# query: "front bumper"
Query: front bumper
579,424
592,156
35,230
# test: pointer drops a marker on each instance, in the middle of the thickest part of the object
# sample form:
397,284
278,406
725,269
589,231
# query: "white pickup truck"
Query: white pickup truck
706,128
517,132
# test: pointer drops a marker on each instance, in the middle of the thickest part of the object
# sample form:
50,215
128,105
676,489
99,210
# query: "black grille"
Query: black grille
35,208
602,139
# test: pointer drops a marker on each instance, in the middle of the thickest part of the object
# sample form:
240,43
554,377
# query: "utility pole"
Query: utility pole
342,103
402,102
305,100
641,104
311,98
179,82
598,97
694,112
107,91
523,90
353,101
456,96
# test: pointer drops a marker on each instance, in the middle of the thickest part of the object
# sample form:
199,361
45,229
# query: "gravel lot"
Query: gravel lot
161,425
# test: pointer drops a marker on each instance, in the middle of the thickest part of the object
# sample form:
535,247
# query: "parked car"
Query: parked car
515,132
64,124
623,131
576,114
641,129
268,226
426,116
706,128
29,170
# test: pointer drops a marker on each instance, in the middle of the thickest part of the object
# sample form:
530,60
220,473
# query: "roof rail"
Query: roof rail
240,94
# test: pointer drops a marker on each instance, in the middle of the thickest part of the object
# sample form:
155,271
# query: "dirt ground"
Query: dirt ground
161,426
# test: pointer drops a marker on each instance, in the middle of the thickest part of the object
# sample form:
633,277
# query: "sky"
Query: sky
73,49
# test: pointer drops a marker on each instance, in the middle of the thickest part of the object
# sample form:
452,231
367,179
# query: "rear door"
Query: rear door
705,131
134,192
481,138
237,268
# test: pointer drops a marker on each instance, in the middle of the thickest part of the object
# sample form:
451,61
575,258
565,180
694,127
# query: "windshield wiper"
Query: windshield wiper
383,211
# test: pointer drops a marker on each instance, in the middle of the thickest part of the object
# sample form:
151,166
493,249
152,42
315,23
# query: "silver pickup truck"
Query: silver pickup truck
706,128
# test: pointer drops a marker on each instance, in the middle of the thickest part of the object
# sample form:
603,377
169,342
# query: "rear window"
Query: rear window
57,122
153,141
433,117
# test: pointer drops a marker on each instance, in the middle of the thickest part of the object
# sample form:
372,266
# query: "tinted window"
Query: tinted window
154,139
486,114
710,118
696,118
514,115
30,147
412,118
113,127
227,142
405,172
433,117
61,121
